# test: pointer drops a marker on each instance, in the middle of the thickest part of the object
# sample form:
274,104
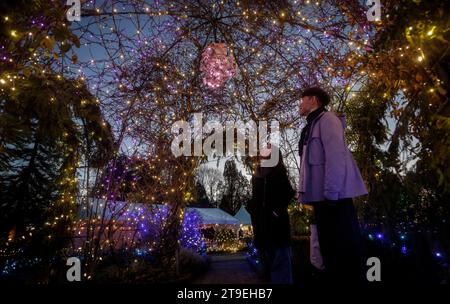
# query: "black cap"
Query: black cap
322,95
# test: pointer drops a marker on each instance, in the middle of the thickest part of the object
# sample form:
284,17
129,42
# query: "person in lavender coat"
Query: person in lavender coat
329,179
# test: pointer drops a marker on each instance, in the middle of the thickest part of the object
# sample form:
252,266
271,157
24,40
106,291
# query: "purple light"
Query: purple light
151,219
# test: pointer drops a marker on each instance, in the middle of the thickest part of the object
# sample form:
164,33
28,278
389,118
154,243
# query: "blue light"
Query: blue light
139,252
438,254
379,236
404,250
402,237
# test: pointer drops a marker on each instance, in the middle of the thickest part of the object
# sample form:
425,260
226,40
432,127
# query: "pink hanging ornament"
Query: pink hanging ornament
217,66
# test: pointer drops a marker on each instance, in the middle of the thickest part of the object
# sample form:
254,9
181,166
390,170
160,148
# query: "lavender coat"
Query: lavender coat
328,170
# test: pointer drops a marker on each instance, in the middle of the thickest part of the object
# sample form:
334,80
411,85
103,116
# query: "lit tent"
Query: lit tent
243,216
121,211
213,216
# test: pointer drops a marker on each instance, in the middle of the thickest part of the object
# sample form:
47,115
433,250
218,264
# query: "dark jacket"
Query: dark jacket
271,194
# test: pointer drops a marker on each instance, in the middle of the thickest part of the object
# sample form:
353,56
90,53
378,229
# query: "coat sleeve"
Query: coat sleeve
332,135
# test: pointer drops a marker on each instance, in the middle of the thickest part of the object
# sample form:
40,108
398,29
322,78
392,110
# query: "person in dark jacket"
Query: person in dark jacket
271,194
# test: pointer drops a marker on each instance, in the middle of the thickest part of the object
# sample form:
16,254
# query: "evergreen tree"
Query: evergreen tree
48,125
236,188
